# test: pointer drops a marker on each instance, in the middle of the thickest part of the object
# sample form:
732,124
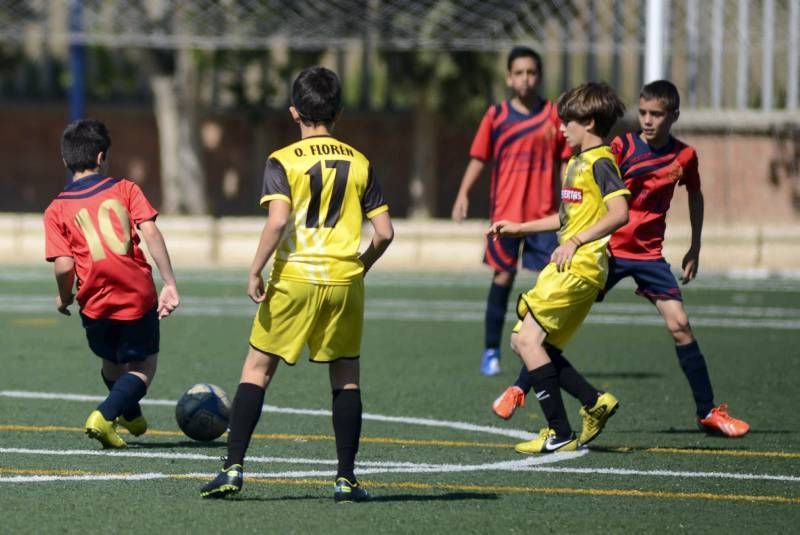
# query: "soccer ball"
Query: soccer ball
202,412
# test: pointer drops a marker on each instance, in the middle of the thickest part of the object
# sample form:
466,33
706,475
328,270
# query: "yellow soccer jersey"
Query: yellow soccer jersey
590,179
331,188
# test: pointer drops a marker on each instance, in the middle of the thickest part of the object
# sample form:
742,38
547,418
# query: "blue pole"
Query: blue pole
77,62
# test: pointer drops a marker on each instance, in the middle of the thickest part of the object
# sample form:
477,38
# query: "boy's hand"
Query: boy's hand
255,288
62,304
504,228
168,300
690,264
562,256
460,209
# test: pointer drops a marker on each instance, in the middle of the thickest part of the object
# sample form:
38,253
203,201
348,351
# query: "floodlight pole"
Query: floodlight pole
77,61
654,40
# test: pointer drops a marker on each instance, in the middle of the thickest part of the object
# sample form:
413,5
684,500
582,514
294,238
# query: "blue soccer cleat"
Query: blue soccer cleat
228,481
490,362
344,491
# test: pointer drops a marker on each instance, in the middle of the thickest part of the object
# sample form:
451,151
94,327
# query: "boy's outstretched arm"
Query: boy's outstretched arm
471,175
169,298
277,220
616,217
691,261
64,267
382,236
510,228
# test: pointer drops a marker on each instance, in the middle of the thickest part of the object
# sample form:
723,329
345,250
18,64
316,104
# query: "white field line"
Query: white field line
733,280
733,317
429,422
528,464
103,477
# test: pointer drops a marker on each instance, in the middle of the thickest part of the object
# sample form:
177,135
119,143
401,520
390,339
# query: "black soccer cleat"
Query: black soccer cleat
228,481
344,491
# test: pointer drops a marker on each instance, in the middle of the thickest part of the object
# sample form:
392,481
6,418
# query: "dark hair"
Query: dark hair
592,100
524,52
82,141
317,95
662,90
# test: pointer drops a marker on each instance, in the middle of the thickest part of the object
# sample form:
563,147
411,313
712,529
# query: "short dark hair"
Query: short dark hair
81,142
592,100
524,52
317,95
662,90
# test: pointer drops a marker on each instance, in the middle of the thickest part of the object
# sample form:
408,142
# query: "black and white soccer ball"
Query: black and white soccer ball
202,412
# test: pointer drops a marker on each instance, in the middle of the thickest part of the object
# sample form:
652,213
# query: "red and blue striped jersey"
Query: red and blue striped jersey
651,176
527,150
94,221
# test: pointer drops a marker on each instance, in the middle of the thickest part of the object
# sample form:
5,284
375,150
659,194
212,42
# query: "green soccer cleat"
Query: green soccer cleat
135,427
547,442
228,481
595,418
104,431
344,491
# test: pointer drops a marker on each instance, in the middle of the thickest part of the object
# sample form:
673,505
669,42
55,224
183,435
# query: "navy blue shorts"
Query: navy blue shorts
503,253
654,278
123,341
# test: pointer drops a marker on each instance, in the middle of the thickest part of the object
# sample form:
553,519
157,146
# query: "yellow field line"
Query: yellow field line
427,442
484,489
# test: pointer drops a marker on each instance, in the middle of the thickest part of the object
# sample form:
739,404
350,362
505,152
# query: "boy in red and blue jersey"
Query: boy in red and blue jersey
91,237
652,163
522,136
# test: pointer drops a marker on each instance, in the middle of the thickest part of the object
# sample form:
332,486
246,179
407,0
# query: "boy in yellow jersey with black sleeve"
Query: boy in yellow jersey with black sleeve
317,192
593,205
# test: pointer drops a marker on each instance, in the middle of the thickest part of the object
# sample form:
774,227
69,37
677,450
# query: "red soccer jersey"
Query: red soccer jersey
651,175
527,150
94,221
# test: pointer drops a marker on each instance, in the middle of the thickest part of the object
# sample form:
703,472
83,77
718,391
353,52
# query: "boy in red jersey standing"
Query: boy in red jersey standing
652,163
522,136
91,237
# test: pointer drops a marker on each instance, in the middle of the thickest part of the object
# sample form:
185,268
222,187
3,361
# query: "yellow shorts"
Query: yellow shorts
558,303
327,318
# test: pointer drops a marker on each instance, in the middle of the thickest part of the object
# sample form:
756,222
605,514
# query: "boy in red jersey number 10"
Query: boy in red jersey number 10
91,238
652,163
522,136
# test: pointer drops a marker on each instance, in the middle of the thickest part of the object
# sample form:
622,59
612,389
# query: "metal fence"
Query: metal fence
722,54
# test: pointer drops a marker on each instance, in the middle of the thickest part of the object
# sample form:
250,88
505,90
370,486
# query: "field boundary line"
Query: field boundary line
26,477
527,464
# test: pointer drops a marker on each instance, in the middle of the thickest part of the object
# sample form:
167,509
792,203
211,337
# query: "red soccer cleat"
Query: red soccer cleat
507,403
718,421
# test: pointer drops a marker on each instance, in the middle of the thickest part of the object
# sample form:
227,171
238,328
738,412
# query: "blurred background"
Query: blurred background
195,94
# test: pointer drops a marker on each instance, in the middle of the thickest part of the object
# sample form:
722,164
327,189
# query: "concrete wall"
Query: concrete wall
199,242
750,168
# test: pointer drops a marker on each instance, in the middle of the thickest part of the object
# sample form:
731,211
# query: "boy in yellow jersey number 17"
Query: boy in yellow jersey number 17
318,192
593,206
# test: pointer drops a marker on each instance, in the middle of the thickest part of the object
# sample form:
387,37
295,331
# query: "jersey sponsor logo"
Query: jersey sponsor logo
572,195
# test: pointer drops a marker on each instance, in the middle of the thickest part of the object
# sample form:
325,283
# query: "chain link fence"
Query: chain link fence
722,54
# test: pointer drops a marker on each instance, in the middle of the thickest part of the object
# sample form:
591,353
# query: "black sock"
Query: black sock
245,412
545,384
131,412
570,380
126,392
694,368
524,380
496,306
347,428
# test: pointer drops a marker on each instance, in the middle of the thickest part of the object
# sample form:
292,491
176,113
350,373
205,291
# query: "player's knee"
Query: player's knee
503,278
679,328
522,344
